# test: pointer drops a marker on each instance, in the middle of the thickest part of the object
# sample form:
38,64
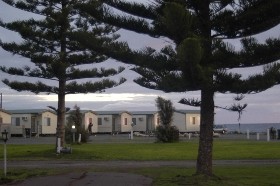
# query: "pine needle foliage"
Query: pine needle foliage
58,63
200,58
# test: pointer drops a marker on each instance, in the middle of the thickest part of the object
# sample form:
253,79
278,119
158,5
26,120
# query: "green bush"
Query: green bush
167,134
69,135
75,118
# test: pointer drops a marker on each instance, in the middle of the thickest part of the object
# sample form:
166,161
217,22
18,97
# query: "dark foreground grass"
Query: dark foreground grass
20,174
225,176
173,176
223,150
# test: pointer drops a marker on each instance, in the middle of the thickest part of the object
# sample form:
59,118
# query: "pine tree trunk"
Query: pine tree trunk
62,75
204,159
61,112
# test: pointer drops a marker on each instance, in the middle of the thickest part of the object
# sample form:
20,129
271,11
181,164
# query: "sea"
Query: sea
252,127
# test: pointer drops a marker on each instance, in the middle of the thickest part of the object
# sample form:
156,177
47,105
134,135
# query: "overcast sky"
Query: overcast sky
262,107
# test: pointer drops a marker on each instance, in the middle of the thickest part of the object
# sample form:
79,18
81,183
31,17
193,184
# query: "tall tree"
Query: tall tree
55,55
200,58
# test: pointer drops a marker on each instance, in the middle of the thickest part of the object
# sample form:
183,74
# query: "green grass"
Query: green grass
230,150
223,150
173,176
19,174
233,175
225,176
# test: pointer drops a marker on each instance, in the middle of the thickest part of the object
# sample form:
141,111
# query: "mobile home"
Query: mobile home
114,121
88,116
187,120
143,121
33,122
5,121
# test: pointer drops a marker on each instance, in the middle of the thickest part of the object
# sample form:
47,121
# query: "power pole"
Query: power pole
1,101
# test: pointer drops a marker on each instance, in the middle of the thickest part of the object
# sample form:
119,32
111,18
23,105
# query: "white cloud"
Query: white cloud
262,107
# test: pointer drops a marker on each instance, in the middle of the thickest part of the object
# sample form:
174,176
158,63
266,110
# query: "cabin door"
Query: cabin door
114,124
134,121
33,125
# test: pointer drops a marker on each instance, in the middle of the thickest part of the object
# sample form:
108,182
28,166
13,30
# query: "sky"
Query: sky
262,107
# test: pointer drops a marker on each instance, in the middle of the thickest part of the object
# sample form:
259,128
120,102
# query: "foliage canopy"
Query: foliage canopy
59,64
200,58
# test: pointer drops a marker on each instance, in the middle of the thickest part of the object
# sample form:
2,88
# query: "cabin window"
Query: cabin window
47,121
99,121
16,121
1,120
193,120
89,120
125,121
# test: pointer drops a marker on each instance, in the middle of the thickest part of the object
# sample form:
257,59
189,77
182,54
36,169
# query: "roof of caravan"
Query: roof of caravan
143,112
154,112
5,111
188,111
111,112
30,111
38,111
82,111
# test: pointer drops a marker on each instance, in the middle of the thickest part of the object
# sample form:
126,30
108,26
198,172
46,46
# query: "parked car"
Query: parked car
219,129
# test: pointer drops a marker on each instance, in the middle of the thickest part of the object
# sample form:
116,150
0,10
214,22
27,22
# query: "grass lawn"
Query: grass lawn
234,175
226,176
223,150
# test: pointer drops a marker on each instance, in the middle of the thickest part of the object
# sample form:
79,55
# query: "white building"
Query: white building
33,122
114,121
187,120
5,121
143,121
88,116
184,120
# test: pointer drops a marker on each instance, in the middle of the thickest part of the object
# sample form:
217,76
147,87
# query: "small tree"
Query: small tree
239,108
165,132
235,107
75,118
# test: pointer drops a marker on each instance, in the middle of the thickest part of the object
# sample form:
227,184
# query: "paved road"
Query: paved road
123,138
109,178
131,164
88,179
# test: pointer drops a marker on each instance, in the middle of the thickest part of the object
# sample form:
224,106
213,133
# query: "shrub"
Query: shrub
167,134
75,118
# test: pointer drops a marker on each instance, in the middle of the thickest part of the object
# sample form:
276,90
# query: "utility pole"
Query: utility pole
1,101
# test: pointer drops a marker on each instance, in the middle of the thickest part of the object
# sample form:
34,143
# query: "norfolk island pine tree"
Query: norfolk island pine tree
47,43
200,59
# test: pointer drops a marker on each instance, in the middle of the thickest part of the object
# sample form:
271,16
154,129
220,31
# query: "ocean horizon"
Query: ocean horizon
252,127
